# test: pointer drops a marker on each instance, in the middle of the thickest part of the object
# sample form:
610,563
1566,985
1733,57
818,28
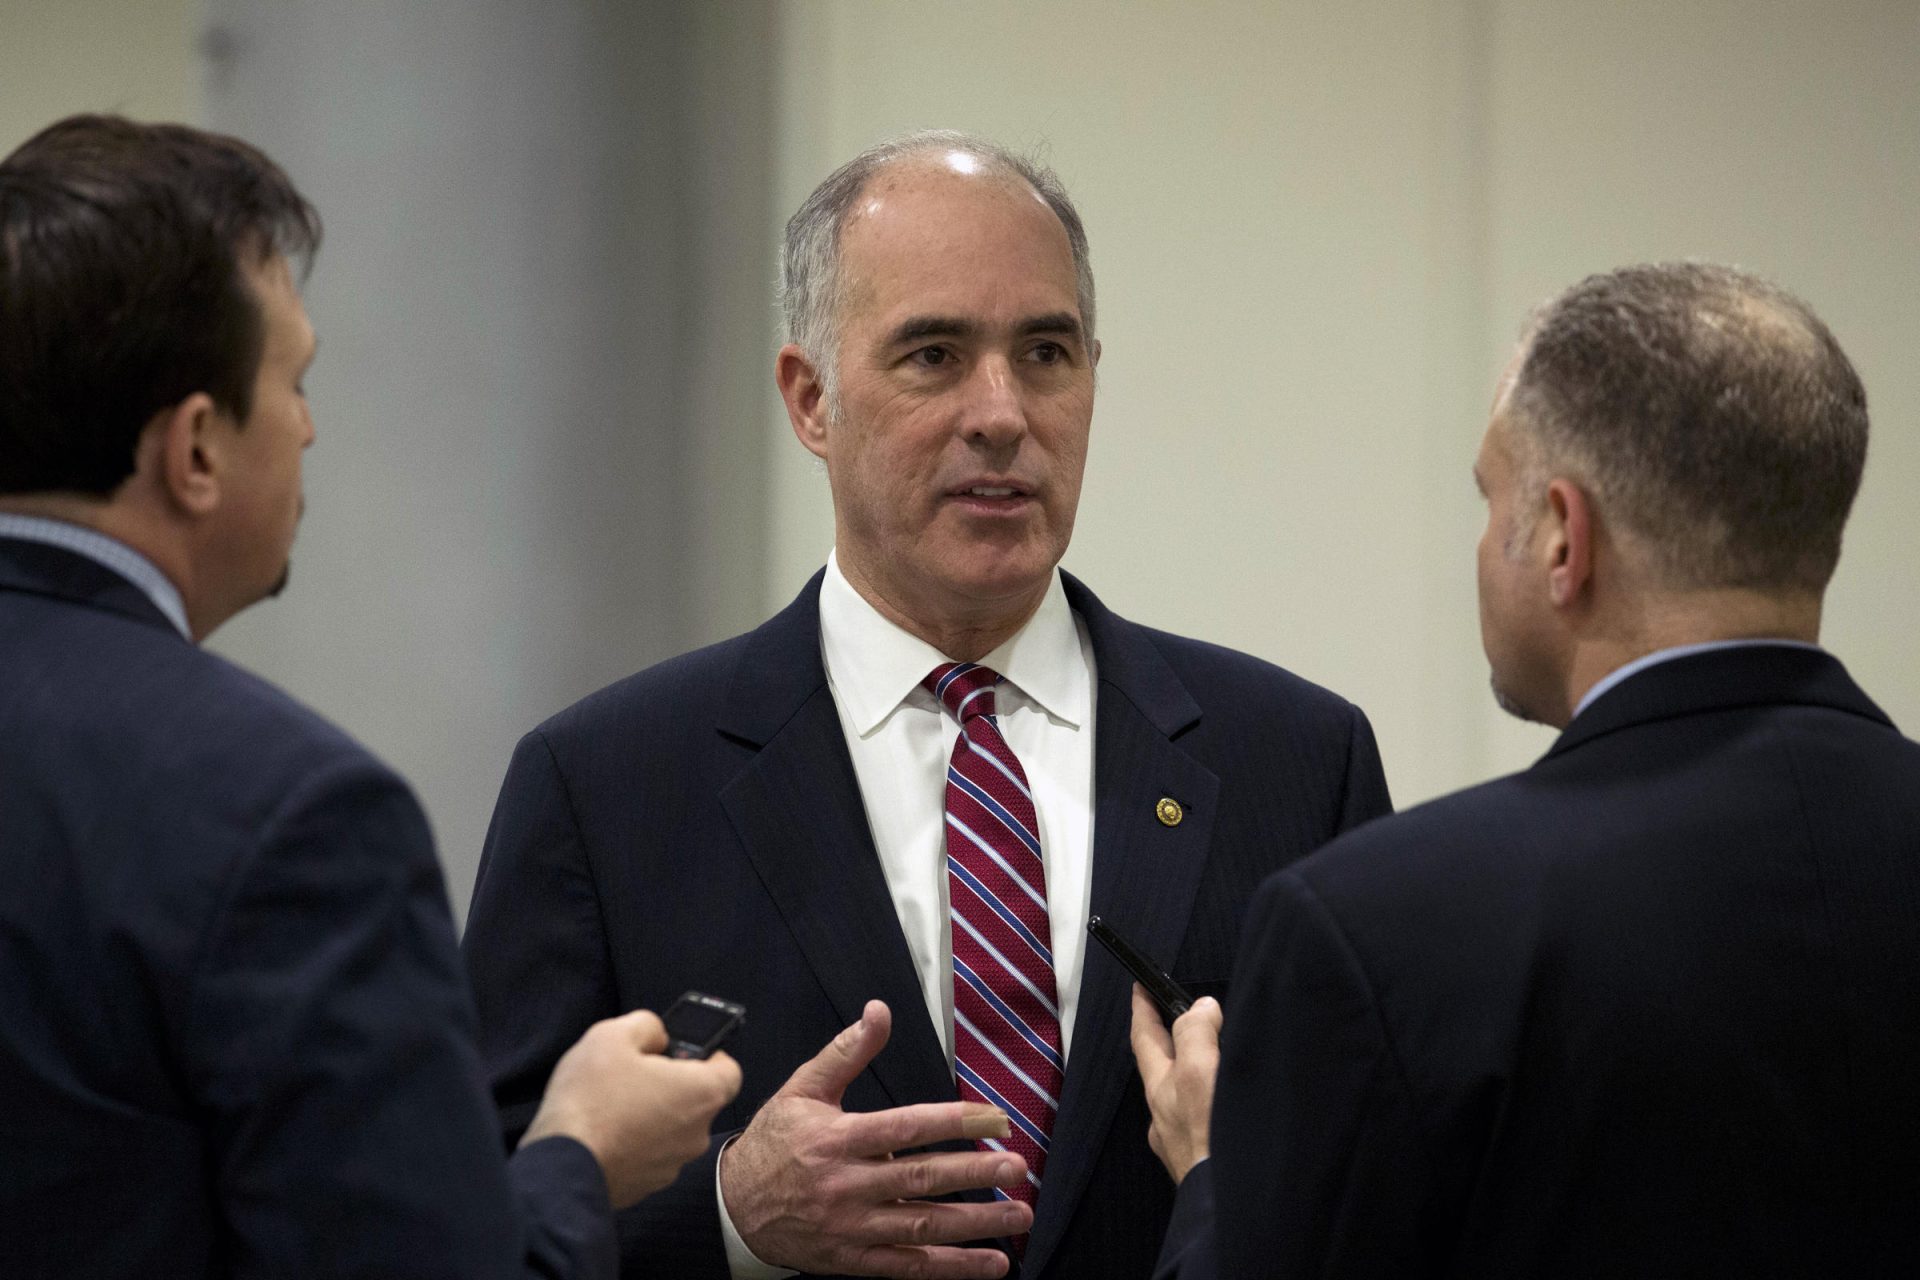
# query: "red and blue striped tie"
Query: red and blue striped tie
1006,1013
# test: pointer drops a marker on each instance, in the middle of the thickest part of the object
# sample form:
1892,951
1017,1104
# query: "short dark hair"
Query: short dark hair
123,249
1711,412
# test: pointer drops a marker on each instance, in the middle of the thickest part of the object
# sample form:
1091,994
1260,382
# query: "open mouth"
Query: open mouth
991,498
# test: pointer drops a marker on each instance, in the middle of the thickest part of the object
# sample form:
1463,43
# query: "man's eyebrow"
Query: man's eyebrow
915,328
1064,323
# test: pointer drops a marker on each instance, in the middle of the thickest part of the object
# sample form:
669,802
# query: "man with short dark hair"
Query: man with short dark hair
234,1035
893,807
1651,1007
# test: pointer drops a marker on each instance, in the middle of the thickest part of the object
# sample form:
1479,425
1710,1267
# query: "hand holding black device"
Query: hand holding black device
697,1024
1167,994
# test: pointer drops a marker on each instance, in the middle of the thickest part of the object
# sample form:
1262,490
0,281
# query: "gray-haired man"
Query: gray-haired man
797,818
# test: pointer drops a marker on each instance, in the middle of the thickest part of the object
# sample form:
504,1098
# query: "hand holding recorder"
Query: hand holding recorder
1177,1069
642,1114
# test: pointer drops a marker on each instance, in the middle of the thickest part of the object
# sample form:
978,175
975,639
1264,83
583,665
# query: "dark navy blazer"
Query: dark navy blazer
235,1039
699,825
1649,1008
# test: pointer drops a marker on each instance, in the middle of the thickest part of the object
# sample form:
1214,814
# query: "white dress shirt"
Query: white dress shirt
901,738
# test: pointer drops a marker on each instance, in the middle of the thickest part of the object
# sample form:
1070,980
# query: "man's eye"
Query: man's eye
1049,353
931,356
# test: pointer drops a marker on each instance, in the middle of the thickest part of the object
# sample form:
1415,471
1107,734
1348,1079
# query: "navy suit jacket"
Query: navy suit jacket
699,825
235,1039
1649,1008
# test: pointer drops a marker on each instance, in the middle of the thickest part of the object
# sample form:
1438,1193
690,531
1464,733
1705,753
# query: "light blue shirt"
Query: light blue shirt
1658,656
109,553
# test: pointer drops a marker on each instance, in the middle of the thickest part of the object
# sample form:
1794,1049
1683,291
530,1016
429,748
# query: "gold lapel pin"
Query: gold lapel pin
1169,811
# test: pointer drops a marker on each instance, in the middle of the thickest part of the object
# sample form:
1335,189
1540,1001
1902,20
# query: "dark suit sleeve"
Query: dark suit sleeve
535,946
1319,1167
329,1043
1365,794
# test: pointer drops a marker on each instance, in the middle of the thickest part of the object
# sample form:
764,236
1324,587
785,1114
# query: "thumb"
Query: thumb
1197,1031
826,1075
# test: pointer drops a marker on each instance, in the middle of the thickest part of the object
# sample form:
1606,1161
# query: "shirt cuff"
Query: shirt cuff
741,1264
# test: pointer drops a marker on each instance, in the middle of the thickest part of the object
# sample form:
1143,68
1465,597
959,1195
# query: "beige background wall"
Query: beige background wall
62,56
1316,229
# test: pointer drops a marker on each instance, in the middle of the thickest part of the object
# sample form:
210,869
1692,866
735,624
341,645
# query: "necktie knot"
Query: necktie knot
964,688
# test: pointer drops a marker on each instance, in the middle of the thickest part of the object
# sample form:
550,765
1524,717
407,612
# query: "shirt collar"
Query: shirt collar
876,665
108,552
1622,673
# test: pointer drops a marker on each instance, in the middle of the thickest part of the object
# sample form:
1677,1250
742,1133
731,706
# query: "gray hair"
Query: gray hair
1710,411
810,284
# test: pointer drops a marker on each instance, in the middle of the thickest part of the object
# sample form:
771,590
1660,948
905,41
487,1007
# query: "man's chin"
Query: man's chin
1510,703
280,583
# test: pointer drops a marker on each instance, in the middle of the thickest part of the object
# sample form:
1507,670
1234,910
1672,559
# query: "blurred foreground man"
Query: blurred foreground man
234,1035
912,787
1651,1007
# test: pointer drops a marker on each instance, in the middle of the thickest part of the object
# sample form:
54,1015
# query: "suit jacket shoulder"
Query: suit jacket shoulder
1651,1004
239,1032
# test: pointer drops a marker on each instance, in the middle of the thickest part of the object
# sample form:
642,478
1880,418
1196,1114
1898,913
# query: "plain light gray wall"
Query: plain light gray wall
531,274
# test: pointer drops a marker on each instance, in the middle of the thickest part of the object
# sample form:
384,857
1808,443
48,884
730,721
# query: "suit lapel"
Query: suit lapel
1145,875
797,812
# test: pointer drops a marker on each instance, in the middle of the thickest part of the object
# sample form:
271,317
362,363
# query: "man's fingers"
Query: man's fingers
879,1133
922,1223
1196,1033
642,1029
937,1263
1152,1046
826,1075
938,1173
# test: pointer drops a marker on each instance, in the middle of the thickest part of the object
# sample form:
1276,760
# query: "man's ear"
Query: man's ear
1570,541
805,397
1096,353
188,457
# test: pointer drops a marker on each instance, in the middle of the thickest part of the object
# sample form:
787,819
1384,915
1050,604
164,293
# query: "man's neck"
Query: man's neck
965,636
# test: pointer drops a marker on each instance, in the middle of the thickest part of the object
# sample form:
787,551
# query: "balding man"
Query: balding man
913,787
1651,1007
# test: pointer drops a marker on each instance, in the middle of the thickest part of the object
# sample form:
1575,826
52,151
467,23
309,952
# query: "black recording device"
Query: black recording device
697,1024
1167,994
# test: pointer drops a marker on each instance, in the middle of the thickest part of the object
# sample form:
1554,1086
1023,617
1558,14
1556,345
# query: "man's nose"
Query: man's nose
996,413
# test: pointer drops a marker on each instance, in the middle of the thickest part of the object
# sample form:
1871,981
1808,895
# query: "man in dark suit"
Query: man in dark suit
235,1038
913,786
1651,1007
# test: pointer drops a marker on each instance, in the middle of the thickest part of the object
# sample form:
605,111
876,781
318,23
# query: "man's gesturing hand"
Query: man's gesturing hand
1178,1072
642,1115
815,1188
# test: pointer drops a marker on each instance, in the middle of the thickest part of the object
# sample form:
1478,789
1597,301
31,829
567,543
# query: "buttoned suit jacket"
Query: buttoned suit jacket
699,825
235,1038
1649,1008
